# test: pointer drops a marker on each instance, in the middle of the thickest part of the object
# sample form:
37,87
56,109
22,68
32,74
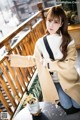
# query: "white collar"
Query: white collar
54,35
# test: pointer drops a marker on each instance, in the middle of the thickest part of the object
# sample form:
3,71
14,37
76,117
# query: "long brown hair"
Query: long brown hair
58,12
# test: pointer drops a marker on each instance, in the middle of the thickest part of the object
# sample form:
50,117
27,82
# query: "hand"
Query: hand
8,56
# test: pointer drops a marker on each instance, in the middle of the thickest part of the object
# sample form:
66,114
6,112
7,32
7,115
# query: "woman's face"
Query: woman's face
53,25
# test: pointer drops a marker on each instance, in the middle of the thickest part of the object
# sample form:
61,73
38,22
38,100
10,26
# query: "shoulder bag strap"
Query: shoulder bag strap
48,48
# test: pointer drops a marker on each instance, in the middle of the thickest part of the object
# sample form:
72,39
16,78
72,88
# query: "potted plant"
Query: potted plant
33,105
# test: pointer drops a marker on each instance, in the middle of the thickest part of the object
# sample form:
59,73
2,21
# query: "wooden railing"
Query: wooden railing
14,81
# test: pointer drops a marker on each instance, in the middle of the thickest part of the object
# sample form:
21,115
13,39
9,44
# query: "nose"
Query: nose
52,24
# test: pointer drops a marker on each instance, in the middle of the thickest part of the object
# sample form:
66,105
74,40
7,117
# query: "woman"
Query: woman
55,62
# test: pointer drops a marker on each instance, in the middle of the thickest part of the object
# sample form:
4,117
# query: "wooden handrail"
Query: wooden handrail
14,81
19,29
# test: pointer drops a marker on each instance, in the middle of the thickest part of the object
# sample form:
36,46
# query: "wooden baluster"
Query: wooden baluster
5,104
33,38
35,34
31,43
17,87
8,92
30,47
40,7
27,49
19,75
6,75
21,52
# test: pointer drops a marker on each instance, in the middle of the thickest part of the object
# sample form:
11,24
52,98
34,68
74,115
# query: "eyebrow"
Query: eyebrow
55,19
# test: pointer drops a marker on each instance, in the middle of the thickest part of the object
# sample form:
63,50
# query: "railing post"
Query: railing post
40,7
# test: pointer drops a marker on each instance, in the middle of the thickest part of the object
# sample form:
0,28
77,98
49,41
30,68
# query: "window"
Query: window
71,8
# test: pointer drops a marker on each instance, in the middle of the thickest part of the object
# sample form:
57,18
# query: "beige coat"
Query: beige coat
67,74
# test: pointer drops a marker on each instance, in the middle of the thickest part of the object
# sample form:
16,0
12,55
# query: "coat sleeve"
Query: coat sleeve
22,61
67,63
26,61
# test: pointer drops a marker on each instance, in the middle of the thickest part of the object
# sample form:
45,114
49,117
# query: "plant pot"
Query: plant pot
34,108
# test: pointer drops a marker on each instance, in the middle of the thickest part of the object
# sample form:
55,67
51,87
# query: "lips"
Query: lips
51,29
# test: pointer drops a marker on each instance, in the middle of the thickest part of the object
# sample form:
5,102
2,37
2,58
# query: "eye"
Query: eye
56,21
49,20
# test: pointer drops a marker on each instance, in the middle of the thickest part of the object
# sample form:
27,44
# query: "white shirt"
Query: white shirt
54,42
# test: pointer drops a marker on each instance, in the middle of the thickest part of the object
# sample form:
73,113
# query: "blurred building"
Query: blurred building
25,8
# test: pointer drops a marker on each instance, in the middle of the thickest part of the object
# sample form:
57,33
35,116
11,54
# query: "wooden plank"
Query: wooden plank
21,51
28,52
8,93
20,77
25,69
28,46
6,74
19,74
18,86
16,81
5,104
31,43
